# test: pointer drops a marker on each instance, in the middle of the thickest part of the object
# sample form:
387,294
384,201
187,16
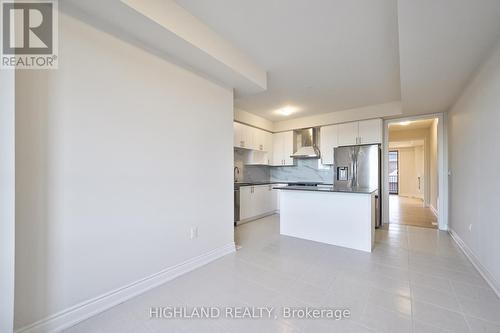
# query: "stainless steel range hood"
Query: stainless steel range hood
305,143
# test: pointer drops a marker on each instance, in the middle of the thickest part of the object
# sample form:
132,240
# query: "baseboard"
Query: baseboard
475,262
87,309
433,210
410,195
253,218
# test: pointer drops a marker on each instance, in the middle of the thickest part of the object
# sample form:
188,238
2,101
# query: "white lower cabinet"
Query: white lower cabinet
246,202
258,200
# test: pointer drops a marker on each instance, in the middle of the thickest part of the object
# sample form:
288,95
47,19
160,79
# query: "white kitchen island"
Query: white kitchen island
343,217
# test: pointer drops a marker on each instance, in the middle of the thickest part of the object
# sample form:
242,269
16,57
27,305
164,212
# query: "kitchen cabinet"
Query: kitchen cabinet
282,149
256,157
328,141
257,201
348,134
249,137
268,142
247,202
262,140
360,132
370,131
242,136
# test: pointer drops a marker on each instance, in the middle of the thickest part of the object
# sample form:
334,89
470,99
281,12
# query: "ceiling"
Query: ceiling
416,124
442,43
320,56
332,55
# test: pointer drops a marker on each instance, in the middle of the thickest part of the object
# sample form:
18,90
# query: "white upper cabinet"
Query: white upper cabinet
268,142
242,135
251,138
262,140
360,132
370,131
288,147
237,140
277,158
348,134
282,148
328,141
258,139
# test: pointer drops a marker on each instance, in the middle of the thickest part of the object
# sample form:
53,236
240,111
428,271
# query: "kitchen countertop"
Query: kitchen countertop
329,188
271,183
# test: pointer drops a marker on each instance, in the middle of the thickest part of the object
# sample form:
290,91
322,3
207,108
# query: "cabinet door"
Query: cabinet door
328,141
348,134
243,135
277,156
237,134
258,139
247,136
270,199
259,197
370,131
247,206
287,147
268,142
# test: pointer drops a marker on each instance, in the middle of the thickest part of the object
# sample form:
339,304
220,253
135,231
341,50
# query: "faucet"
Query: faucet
236,173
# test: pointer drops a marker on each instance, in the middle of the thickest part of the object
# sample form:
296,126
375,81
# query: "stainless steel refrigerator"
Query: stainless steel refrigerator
360,167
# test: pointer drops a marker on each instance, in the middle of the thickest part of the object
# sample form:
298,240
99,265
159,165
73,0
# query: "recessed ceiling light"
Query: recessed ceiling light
286,111
405,123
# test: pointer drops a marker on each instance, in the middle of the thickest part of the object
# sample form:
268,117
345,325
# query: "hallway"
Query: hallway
410,211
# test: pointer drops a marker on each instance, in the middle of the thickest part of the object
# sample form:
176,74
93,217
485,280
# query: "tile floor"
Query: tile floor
416,280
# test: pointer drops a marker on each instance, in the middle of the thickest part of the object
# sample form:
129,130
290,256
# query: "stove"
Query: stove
304,184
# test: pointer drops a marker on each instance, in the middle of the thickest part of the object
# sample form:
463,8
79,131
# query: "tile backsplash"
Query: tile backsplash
308,170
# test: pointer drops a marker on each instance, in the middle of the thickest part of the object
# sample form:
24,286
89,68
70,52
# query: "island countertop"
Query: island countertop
328,188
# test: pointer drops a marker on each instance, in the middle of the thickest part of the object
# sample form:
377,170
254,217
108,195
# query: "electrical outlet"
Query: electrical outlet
194,232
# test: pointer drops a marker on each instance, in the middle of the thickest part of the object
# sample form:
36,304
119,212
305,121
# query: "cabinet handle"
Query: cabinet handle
242,143
261,147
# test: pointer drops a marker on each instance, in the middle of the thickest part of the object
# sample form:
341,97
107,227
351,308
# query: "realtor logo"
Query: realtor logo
29,34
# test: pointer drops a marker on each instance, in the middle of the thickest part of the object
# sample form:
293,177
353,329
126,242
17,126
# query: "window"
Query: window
393,172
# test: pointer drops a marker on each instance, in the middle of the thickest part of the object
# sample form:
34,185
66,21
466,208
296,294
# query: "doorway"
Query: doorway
413,168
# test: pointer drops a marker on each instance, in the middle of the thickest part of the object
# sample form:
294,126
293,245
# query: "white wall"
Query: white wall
7,199
433,165
475,163
111,150
252,119
367,112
